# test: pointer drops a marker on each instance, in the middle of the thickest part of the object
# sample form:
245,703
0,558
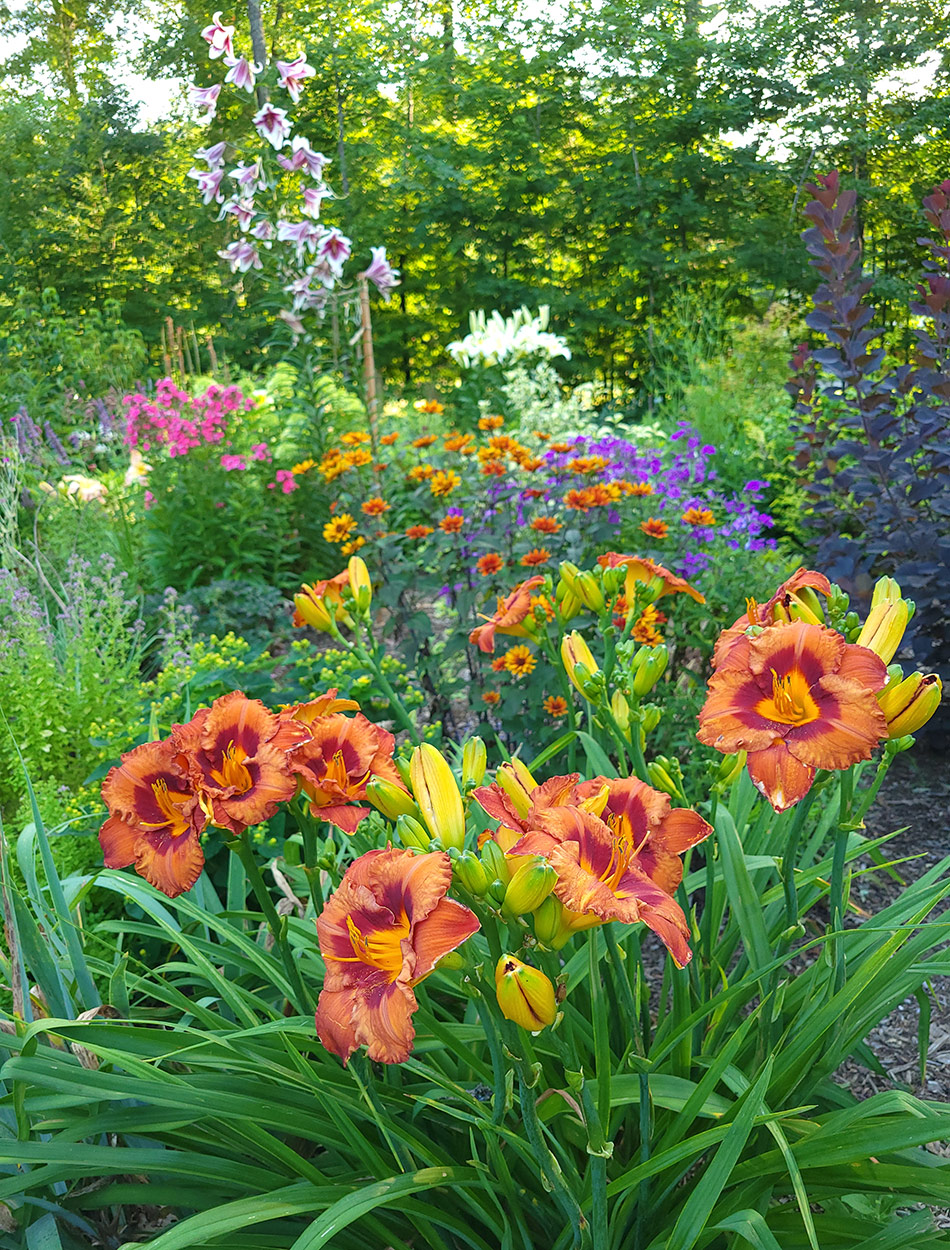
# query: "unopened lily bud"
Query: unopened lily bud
614,580
660,779
496,891
729,771
474,762
402,767
320,611
909,704
529,887
886,590
884,628
569,606
496,865
650,716
390,799
471,873
361,586
547,921
437,793
525,995
517,782
792,608
620,709
810,599
412,834
590,592
650,670
578,660
568,583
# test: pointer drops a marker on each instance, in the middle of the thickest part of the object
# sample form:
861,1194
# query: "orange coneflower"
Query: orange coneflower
375,506
425,441
490,697
699,516
491,423
645,630
491,563
641,488
493,468
339,529
519,661
555,706
353,438
578,500
419,531
459,442
420,473
562,448
431,406
546,525
539,555
356,459
303,467
654,528
444,482
451,524
498,664
381,933
588,464
388,439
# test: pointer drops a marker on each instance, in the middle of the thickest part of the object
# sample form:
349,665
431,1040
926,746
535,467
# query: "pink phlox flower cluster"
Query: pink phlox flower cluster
179,422
259,451
229,462
288,483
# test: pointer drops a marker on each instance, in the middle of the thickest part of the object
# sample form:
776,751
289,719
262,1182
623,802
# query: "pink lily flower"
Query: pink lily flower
205,98
241,72
248,177
292,321
209,183
313,197
242,256
241,210
304,157
381,273
213,155
293,75
334,248
273,125
264,230
304,234
220,38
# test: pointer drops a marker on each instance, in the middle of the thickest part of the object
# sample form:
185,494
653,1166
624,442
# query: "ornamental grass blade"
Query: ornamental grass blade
751,1227
698,1207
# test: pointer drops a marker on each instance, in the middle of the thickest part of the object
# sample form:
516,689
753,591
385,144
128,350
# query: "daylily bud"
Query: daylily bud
474,762
809,599
496,865
650,671
620,709
569,575
471,873
525,995
390,799
402,767
412,834
497,891
360,584
314,611
614,580
650,717
660,779
578,661
792,608
437,793
589,592
886,590
909,704
729,770
547,921
529,887
570,606
884,628
517,783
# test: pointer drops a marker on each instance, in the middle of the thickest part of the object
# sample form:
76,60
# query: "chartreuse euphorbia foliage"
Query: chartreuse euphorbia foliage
465,991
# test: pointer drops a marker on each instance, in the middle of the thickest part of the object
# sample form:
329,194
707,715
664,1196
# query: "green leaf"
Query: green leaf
597,758
744,899
751,1227
43,1235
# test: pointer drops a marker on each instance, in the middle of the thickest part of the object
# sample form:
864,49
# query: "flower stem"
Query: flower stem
842,834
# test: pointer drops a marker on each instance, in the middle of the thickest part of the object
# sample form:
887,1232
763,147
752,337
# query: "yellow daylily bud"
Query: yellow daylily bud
809,599
313,611
437,793
474,762
471,873
496,865
590,592
529,886
650,717
402,767
570,606
614,580
909,704
596,802
660,779
620,709
525,995
886,590
650,670
884,628
390,799
517,783
547,921
578,661
360,584
412,834
568,583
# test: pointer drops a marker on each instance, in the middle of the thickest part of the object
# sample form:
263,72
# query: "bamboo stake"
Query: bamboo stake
369,365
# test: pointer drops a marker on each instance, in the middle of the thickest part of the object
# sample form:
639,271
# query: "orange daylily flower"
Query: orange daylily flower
382,932
508,616
779,607
155,818
323,705
642,569
601,877
337,761
237,755
796,698
555,792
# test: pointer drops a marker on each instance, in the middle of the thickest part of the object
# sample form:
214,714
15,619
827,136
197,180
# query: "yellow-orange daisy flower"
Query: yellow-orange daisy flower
451,524
491,563
428,405
546,525
539,555
375,506
491,696
421,473
354,544
303,467
419,531
388,439
654,528
519,661
339,528
425,441
353,438
699,516
491,423
641,488
555,706
444,482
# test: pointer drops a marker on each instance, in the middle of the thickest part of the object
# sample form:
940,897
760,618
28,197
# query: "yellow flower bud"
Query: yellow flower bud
886,590
471,873
496,865
390,799
547,921
650,717
884,628
437,793
360,584
650,670
314,612
660,779
517,782
578,661
402,767
729,771
412,834
474,762
909,704
525,995
570,606
529,886
590,592
620,709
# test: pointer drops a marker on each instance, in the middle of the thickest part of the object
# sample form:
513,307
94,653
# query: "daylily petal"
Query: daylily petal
778,775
